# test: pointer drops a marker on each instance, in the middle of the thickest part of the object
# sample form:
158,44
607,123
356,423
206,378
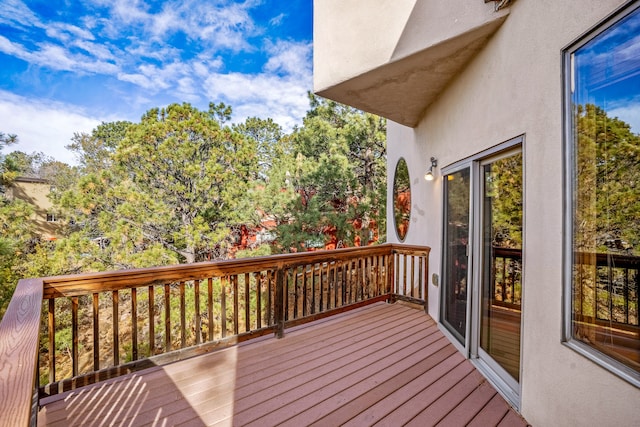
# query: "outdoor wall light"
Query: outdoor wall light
429,175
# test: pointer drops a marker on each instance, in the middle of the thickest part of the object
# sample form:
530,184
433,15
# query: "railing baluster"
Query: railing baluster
404,274
335,284
74,335
96,332
279,303
363,278
167,317
258,277
210,328
381,277
223,305
134,324
420,282
503,285
183,326
286,293
413,275
378,275
426,284
296,291
626,295
116,335
396,262
329,284
369,276
247,307
234,283
152,322
321,290
305,311
385,274
196,302
52,340
343,288
313,288
269,310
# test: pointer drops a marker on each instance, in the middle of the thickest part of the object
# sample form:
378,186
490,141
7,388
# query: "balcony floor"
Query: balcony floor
384,363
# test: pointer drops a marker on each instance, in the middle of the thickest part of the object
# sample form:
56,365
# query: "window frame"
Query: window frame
569,156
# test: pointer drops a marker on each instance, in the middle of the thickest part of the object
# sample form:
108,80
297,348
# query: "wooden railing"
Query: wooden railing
102,325
507,277
612,292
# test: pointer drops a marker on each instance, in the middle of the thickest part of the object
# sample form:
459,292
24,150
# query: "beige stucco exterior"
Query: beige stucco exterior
510,86
35,192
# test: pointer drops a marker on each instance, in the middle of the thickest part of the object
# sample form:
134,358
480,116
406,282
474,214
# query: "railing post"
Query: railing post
279,305
425,266
392,276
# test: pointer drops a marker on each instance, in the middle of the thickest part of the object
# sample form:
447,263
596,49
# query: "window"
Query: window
602,106
401,199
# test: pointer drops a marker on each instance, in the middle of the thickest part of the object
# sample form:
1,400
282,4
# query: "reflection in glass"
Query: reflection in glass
502,262
606,191
455,280
401,199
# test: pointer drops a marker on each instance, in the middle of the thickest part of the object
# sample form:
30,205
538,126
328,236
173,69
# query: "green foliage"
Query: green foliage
162,191
176,185
17,238
503,183
94,150
336,177
607,190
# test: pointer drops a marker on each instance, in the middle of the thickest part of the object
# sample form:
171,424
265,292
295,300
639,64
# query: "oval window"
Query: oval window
401,199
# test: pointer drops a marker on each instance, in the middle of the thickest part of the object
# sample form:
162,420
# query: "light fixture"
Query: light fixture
429,175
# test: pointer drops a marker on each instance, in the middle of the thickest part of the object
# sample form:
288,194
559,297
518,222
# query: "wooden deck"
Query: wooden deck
382,364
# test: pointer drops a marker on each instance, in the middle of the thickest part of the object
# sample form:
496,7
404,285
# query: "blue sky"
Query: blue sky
607,74
66,66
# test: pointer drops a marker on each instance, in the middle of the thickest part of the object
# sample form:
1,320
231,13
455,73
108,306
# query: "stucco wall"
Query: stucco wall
513,87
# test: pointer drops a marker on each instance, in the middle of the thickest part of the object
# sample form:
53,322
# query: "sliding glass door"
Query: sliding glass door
482,260
456,253
501,265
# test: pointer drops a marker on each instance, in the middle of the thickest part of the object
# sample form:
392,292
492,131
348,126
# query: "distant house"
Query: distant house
35,191
522,116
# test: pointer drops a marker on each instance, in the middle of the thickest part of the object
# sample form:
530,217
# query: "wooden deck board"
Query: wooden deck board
386,364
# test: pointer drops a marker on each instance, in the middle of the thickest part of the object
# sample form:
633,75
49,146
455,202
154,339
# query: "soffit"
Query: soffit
402,89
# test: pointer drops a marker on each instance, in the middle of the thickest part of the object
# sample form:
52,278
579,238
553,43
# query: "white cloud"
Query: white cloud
137,79
629,113
264,95
16,12
277,20
57,58
66,32
289,57
42,126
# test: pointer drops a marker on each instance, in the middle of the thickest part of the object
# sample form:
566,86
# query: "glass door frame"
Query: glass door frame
504,383
464,348
509,387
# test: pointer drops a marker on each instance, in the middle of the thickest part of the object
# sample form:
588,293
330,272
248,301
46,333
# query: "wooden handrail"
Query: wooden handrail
83,284
19,353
